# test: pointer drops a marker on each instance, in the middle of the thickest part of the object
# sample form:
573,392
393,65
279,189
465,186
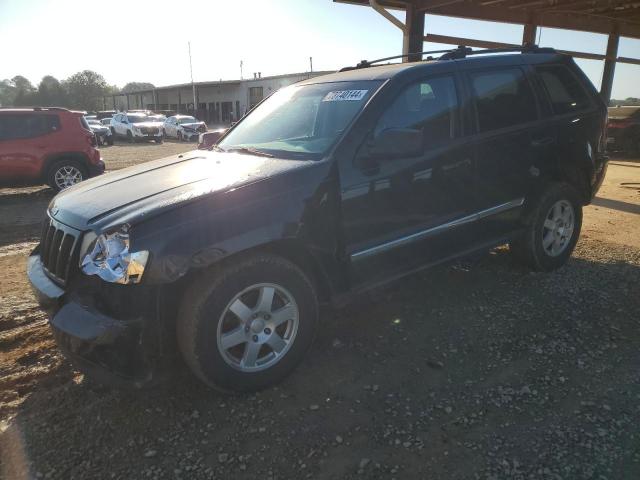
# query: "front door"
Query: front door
399,213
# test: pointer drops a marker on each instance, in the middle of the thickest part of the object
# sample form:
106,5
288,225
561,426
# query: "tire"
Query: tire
205,316
113,132
130,138
552,229
179,136
65,173
110,140
159,139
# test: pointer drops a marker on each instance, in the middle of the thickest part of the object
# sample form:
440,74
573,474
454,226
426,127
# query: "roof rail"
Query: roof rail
35,109
463,52
455,53
369,63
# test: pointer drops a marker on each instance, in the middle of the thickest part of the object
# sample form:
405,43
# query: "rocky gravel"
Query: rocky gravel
477,370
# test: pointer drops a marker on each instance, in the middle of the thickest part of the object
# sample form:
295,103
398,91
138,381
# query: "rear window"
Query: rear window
565,91
503,98
83,122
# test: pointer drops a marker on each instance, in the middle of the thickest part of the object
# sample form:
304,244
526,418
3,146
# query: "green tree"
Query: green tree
137,86
24,91
85,90
51,93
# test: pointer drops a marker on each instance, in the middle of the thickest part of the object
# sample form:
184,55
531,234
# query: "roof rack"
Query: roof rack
36,109
455,53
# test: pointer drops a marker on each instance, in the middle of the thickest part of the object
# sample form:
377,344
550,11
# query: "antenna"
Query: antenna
193,86
240,69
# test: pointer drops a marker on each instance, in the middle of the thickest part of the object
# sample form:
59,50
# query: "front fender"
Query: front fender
204,232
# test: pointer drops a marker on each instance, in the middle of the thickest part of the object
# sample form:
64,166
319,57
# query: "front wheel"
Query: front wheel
110,140
552,229
130,138
247,325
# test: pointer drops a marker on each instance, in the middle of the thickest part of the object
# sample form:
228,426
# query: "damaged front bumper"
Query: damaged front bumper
116,351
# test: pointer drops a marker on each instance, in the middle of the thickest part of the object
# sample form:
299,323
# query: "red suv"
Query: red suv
46,145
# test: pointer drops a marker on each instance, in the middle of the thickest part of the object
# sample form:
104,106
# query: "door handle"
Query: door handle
542,142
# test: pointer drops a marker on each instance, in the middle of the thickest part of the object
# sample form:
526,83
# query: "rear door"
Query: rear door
508,144
23,143
401,213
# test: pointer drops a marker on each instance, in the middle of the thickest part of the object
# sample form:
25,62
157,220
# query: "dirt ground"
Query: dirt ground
474,370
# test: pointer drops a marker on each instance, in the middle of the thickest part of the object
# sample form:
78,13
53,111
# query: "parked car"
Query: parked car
157,117
103,134
330,187
52,146
105,114
183,127
623,129
136,127
106,122
209,139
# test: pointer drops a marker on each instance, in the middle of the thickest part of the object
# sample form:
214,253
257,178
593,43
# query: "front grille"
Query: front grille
59,247
149,130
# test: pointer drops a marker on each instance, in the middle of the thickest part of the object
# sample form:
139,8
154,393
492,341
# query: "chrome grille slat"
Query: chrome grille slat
58,249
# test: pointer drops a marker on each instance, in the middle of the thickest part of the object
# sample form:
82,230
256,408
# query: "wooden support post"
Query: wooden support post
529,34
412,41
609,67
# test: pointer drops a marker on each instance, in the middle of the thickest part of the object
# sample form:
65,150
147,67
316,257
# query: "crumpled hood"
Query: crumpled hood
132,194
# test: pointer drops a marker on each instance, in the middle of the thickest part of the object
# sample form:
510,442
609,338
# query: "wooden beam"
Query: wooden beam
468,42
414,22
553,19
609,67
632,61
529,33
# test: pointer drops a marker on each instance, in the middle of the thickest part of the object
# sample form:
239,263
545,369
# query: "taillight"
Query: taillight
92,140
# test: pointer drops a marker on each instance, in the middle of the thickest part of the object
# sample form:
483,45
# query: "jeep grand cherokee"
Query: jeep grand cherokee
329,187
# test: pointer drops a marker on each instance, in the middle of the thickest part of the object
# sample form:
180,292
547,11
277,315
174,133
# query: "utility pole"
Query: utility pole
311,64
193,86
240,69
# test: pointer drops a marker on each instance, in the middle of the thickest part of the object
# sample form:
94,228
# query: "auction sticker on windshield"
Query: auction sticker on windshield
344,95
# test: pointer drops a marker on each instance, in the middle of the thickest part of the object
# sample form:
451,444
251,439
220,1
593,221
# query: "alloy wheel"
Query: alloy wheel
66,176
558,228
258,327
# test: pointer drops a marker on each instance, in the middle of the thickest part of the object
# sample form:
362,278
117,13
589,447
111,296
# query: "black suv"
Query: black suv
327,188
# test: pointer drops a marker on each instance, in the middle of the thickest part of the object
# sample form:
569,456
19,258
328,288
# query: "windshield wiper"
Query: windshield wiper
249,151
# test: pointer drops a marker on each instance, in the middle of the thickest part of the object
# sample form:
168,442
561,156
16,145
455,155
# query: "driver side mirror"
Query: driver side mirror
394,143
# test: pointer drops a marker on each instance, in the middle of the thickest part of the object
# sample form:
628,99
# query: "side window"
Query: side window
503,98
564,89
16,127
52,123
428,105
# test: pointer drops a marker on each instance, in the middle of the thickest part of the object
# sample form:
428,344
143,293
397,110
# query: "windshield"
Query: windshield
137,118
301,121
184,120
94,122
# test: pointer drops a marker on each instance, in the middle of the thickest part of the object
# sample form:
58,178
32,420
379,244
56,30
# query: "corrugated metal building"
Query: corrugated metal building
218,103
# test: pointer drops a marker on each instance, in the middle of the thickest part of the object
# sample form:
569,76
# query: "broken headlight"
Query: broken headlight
108,257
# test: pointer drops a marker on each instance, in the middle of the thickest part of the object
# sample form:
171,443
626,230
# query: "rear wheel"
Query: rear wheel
66,173
110,140
248,325
130,138
552,229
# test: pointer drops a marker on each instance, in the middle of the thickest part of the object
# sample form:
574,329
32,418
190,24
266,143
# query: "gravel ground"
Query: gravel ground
474,370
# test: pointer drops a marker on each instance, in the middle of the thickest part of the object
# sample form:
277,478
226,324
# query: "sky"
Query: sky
147,41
